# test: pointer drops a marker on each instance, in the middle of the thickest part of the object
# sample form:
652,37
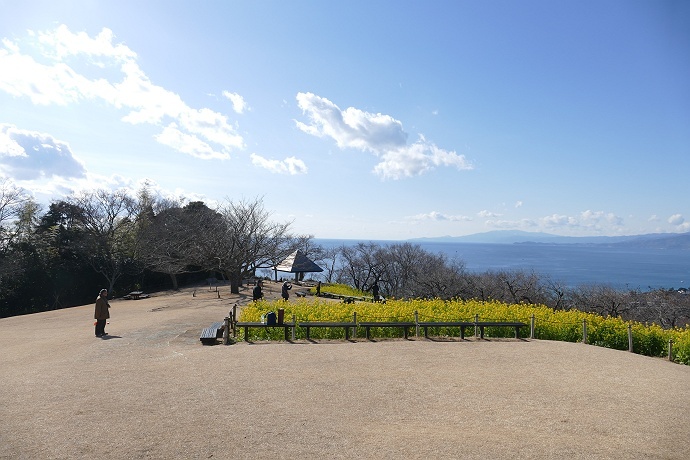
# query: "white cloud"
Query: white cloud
9,147
523,223
351,128
438,216
47,78
591,215
62,43
379,134
186,143
29,155
290,165
485,214
613,219
239,105
679,222
558,220
595,219
676,219
518,204
586,222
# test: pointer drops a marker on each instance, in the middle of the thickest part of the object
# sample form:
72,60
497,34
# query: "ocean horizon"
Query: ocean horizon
570,264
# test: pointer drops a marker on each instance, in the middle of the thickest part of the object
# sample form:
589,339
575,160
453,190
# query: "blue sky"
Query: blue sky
360,119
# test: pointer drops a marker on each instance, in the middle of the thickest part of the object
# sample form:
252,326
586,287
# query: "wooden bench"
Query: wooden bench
211,334
461,324
465,324
135,295
309,324
483,324
247,325
405,325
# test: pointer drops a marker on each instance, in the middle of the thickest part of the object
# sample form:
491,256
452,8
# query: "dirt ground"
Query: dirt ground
151,390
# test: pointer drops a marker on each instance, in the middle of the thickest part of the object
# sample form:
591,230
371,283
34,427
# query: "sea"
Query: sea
572,265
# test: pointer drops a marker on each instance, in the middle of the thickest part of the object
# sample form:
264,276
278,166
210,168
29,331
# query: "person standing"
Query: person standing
375,291
102,312
257,294
284,291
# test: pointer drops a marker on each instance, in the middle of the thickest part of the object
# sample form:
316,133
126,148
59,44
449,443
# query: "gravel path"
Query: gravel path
151,390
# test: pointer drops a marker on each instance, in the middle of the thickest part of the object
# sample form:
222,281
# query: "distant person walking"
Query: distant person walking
375,291
318,289
284,292
102,312
257,293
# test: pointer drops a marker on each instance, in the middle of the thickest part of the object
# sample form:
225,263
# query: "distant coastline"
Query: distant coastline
644,265
650,240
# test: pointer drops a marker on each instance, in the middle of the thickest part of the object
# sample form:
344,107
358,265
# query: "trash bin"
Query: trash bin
281,315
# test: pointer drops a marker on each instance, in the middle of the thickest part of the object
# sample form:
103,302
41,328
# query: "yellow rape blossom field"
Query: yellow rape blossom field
648,339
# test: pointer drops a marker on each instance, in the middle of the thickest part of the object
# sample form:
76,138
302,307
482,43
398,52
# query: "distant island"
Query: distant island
650,240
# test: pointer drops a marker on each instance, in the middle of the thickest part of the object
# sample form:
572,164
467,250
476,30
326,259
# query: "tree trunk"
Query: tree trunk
235,278
173,278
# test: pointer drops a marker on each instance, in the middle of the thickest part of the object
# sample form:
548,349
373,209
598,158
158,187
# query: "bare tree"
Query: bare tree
402,270
485,286
163,237
248,239
436,277
363,264
556,294
107,242
19,237
602,299
669,308
520,286
12,199
326,258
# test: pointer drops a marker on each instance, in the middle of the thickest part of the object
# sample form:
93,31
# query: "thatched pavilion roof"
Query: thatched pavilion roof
297,262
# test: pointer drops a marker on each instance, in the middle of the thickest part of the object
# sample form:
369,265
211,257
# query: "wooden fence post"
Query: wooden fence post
476,328
670,350
630,338
354,321
416,323
584,331
226,331
234,320
531,327
294,320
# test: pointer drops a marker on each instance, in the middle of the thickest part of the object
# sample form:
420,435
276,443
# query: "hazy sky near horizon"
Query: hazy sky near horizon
360,119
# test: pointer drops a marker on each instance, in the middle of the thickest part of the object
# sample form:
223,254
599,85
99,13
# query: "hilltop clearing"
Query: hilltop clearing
151,390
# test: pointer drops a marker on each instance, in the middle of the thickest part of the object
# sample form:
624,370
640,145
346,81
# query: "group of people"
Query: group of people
258,294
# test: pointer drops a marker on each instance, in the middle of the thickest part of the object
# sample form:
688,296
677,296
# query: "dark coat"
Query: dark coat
284,291
257,294
102,307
